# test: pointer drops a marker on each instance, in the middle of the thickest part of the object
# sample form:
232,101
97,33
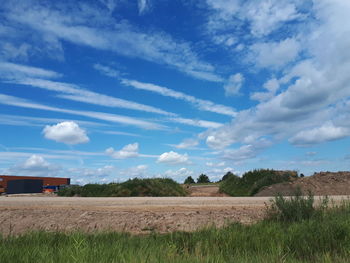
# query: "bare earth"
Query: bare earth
136,215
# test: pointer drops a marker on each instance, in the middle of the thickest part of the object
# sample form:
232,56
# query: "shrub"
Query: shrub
230,186
132,187
295,208
251,182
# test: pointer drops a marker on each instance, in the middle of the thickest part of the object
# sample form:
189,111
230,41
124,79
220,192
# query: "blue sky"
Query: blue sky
108,90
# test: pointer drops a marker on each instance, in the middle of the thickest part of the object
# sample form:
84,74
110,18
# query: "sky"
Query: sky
107,90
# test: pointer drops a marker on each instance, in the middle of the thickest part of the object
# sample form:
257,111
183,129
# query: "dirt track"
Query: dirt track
135,215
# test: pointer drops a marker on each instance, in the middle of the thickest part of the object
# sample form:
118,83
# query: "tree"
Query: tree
203,179
189,180
227,175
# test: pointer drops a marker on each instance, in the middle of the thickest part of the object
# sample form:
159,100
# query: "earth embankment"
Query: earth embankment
323,183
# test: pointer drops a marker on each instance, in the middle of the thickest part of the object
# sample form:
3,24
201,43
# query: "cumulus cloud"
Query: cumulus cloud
326,132
234,84
275,54
67,132
312,91
173,158
35,165
271,86
128,151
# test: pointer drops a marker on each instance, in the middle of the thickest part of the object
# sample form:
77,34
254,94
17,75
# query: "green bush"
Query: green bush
132,187
251,182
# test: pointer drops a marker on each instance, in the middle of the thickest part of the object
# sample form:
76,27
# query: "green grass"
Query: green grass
322,236
252,182
132,187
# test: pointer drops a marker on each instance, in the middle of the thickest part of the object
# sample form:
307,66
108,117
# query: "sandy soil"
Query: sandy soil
135,215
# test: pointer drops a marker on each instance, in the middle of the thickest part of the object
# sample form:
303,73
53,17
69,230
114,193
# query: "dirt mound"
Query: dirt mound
323,183
204,190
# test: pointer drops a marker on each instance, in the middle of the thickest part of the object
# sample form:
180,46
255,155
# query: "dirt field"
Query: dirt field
135,215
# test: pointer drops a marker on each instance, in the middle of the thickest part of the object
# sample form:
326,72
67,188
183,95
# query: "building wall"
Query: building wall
46,180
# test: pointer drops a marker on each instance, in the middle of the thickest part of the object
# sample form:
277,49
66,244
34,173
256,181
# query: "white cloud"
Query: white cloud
93,175
327,132
17,120
18,102
187,143
35,165
128,151
136,171
234,84
144,6
75,93
275,54
200,104
314,91
262,17
10,51
110,4
179,174
96,28
211,164
67,132
197,123
173,158
271,86
13,71
105,70
267,16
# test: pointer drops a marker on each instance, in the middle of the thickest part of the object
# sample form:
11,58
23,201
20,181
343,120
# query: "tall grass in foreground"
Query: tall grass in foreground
322,236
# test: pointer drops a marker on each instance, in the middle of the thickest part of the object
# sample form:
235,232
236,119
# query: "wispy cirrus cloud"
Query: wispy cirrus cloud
200,104
106,70
74,92
96,28
196,123
10,70
125,120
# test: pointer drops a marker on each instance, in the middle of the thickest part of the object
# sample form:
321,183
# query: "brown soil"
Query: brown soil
324,183
133,215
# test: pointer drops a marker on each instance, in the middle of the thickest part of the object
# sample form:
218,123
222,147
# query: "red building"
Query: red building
47,181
